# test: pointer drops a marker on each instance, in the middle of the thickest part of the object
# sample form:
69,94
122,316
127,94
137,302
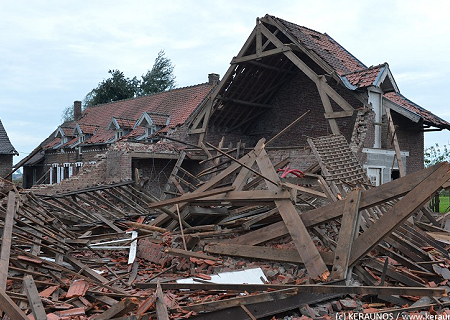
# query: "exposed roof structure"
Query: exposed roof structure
170,108
276,51
5,145
345,64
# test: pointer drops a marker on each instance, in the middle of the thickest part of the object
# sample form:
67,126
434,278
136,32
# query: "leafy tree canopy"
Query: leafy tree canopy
436,154
159,78
115,88
118,87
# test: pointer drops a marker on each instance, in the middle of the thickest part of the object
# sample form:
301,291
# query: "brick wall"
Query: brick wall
6,162
154,173
411,139
90,175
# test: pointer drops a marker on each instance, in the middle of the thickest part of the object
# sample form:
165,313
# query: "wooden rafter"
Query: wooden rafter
398,154
264,44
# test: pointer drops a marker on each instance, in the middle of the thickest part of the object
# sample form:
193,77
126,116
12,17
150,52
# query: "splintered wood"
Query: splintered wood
237,240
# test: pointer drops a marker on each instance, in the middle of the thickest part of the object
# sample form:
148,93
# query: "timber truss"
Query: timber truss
266,62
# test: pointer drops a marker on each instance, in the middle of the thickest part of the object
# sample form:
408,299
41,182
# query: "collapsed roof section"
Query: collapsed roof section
277,50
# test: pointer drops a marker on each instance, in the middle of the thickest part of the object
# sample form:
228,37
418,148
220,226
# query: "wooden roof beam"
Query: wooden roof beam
266,66
245,103
305,50
261,55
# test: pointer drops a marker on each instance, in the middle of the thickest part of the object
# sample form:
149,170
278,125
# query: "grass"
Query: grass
443,203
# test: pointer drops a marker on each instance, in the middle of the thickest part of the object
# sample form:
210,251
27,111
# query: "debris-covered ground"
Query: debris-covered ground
253,240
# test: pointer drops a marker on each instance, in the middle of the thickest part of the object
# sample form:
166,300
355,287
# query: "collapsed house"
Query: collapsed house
294,186
246,243
282,71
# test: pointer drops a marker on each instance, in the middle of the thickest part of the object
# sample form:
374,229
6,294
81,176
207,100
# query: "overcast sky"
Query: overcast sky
54,52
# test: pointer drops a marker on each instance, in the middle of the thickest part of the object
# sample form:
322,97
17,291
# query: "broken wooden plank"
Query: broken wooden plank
284,130
307,191
347,234
133,247
118,309
306,248
341,289
244,165
6,239
161,308
10,308
412,201
34,299
78,265
108,222
263,310
207,185
398,154
260,197
263,253
393,274
189,197
246,225
146,304
369,198
242,300
142,226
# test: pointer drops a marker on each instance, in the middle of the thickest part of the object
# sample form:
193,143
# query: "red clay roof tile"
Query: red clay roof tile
366,77
324,46
344,63
178,104
125,123
427,116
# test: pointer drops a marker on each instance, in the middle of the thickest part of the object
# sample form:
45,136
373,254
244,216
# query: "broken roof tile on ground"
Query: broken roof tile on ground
67,255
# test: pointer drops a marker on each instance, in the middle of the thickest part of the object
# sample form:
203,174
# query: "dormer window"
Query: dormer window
65,134
84,132
152,122
149,131
120,126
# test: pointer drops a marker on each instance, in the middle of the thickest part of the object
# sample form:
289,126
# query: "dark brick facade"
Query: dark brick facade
410,138
6,162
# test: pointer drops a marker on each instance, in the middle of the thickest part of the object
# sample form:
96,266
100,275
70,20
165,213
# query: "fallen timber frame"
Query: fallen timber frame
338,289
369,198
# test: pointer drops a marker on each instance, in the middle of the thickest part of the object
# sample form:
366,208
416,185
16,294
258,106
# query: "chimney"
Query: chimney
213,78
76,110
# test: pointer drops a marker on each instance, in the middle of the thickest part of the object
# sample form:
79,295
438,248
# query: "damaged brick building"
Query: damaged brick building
230,237
283,71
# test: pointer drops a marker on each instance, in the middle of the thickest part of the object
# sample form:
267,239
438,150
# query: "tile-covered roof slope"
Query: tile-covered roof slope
426,115
5,145
344,63
178,104
366,77
125,123
323,45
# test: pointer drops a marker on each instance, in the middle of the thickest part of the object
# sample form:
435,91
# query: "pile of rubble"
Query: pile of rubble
243,239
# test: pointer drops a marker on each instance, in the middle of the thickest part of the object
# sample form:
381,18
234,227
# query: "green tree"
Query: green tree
115,88
436,154
118,87
67,114
160,78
